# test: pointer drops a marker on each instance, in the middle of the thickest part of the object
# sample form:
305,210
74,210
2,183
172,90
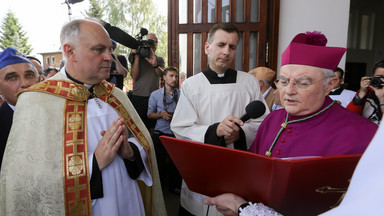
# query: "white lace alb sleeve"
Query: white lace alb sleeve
257,209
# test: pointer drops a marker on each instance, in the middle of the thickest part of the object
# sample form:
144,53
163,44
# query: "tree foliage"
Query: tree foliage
96,9
12,35
130,16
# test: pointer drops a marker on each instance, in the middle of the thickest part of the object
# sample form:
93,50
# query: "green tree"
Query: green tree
12,35
130,16
96,9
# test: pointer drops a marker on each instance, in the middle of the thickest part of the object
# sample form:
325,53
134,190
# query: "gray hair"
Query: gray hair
70,33
328,74
265,81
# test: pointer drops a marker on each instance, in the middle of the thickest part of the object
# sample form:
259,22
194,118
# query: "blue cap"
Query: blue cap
11,56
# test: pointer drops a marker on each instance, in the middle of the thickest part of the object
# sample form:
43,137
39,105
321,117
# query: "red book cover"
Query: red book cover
292,186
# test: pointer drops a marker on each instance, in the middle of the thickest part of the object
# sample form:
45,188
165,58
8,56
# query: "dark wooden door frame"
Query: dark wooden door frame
267,40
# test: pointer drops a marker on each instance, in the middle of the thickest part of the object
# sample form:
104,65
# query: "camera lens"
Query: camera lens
376,81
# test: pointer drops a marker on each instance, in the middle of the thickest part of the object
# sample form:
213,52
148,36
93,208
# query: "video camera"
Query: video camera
144,49
118,35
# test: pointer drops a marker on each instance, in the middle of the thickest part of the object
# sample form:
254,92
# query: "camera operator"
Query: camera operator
369,100
145,73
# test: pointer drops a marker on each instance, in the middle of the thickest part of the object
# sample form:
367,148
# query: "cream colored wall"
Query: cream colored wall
328,16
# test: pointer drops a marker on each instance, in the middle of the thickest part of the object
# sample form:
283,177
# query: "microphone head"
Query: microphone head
143,31
255,109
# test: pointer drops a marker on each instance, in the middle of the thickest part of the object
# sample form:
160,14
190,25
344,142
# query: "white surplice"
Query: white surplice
345,97
121,193
202,104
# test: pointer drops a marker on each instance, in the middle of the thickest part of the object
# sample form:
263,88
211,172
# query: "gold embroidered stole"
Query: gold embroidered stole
76,184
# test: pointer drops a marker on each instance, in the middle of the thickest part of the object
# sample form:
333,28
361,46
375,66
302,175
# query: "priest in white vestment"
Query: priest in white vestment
211,104
77,145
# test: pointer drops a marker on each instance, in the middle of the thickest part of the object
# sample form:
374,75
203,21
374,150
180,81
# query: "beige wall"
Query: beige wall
328,16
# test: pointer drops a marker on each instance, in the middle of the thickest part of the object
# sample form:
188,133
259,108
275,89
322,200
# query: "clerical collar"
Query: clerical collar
90,88
336,91
78,82
73,79
229,76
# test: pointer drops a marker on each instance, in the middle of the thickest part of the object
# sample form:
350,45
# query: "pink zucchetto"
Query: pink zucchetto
309,49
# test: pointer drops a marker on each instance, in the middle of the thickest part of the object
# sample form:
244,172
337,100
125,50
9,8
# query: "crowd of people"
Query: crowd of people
73,143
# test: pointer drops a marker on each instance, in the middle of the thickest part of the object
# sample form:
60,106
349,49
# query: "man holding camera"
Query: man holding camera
369,100
162,103
145,73
118,68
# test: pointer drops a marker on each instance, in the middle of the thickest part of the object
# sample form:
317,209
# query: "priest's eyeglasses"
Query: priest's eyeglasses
300,83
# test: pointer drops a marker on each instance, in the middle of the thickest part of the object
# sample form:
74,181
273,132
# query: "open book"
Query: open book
306,186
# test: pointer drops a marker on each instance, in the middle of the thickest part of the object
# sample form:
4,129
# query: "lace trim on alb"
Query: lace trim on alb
258,209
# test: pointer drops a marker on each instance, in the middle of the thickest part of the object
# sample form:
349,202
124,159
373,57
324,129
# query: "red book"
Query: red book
291,186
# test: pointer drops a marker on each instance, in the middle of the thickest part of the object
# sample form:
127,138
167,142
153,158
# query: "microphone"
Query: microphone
120,36
255,109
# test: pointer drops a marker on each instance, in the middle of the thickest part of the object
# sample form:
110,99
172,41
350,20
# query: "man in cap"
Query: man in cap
91,146
265,76
311,123
16,74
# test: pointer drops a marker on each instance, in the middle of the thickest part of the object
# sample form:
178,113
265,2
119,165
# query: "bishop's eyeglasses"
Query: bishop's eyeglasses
300,83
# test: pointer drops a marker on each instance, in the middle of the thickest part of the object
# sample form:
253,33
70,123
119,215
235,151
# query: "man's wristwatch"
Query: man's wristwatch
242,206
156,66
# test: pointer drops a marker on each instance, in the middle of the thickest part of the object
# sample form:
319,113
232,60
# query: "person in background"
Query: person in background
145,73
119,68
50,72
81,156
162,103
311,123
62,64
265,77
121,64
16,74
369,99
182,77
339,93
211,104
37,63
276,99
